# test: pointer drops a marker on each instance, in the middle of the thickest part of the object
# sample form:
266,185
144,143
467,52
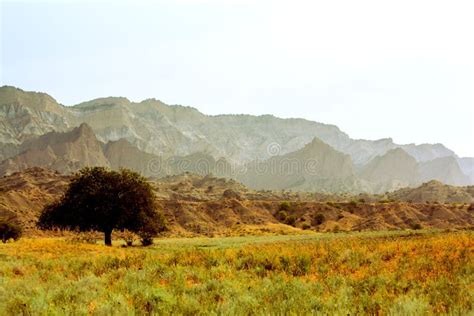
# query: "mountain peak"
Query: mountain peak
398,152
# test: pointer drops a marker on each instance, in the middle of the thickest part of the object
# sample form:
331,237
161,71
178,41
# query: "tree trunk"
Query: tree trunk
108,237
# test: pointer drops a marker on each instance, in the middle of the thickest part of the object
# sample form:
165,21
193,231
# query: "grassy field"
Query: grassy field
393,273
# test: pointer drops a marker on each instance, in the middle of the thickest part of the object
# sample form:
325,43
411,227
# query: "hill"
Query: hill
26,193
435,191
197,205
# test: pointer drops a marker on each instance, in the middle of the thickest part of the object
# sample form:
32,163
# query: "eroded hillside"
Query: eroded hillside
206,205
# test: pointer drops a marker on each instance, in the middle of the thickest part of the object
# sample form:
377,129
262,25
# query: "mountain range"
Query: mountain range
263,152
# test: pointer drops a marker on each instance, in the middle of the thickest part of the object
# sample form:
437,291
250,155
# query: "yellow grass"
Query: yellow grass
365,273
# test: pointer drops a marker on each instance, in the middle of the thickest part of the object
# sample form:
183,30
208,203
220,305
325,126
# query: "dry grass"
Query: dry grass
367,273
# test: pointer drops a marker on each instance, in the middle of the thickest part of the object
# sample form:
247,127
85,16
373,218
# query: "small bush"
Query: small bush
10,230
334,204
416,226
231,194
147,241
306,226
146,238
319,219
282,215
285,206
129,237
291,220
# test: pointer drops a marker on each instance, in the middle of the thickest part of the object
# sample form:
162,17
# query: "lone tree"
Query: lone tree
103,200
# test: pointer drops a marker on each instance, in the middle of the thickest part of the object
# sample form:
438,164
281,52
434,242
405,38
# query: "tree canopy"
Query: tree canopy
103,200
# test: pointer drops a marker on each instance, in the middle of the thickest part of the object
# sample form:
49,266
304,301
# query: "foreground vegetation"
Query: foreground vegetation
367,273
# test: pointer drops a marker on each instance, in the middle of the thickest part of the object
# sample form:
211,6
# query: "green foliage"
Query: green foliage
99,199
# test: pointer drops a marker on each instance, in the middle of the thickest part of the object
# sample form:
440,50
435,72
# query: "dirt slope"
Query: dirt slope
25,193
196,205
435,191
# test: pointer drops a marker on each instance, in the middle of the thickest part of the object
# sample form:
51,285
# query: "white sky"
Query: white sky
400,69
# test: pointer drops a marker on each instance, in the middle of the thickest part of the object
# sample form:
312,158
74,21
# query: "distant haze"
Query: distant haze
400,69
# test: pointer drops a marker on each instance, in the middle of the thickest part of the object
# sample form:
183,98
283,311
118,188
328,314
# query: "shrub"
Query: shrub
319,219
10,230
146,241
285,206
147,233
231,194
306,226
353,204
282,215
291,220
415,226
336,229
129,237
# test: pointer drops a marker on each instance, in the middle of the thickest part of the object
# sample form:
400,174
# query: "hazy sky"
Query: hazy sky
400,69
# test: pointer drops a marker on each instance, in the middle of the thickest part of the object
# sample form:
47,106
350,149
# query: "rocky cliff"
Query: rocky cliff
136,133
